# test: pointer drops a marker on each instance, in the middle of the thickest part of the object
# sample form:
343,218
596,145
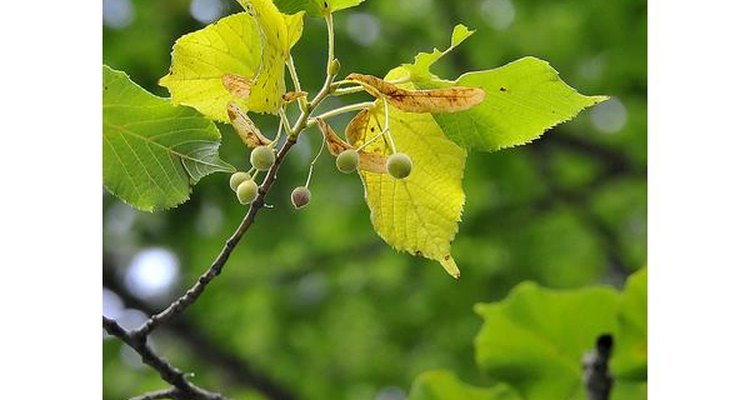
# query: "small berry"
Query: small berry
300,197
399,165
247,191
347,161
262,158
237,178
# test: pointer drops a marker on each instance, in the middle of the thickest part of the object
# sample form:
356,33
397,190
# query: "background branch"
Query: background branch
596,374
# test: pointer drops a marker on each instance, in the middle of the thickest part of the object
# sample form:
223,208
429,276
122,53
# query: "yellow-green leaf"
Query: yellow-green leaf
250,47
418,214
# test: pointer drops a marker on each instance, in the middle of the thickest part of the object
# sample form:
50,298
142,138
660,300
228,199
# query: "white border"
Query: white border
699,197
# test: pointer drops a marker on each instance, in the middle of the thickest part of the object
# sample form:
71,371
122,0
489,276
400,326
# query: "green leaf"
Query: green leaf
418,214
251,47
536,338
523,100
630,357
153,151
420,70
314,7
444,385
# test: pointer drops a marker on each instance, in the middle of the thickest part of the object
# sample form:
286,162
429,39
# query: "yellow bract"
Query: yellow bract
243,49
418,214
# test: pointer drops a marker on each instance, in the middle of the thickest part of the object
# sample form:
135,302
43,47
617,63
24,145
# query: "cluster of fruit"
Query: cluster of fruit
398,165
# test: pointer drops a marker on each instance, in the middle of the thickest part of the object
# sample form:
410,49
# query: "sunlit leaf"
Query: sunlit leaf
315,7
239,58
418,214
523,99
449,99
444,385
153,151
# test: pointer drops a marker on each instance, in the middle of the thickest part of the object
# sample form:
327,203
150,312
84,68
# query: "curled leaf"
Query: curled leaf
450,99
371,162
237,85
245,127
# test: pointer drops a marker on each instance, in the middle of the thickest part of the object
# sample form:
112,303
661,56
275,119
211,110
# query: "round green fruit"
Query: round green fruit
300,197
399,165
347,161
262,158
237,178
247,191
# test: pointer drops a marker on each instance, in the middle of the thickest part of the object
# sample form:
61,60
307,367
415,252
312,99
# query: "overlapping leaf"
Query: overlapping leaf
418,214
239,58
535,339
315,7
523,100
444,385
153,151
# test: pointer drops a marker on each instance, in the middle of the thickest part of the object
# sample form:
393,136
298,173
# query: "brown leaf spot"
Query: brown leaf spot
237,85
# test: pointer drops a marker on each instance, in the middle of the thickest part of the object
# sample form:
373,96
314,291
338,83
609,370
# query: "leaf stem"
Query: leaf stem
387,129
340,110
329,25
312,164
348,90
302,101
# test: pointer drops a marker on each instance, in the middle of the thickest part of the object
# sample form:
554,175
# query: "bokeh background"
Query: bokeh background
312,304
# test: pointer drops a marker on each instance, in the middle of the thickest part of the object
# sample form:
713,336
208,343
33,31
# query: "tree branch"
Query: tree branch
216,267
238,370
183,389
138,338
158,395
596,374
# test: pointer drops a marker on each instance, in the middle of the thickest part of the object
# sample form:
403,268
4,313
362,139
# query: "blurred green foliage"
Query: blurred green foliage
313,300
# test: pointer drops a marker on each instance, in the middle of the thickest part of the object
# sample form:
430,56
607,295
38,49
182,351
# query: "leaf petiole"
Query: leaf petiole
341,110
312,164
